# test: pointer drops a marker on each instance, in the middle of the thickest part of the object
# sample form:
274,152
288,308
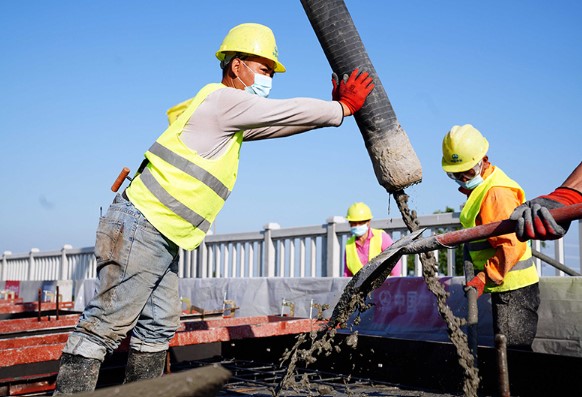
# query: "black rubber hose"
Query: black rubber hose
395,162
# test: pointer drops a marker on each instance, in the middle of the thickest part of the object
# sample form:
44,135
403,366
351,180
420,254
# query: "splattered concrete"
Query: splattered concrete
353,300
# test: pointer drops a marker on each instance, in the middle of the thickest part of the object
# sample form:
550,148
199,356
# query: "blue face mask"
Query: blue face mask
471,183
359,231
262,85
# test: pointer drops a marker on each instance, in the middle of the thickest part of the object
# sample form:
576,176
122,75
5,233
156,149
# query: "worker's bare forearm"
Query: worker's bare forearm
574,181
346,110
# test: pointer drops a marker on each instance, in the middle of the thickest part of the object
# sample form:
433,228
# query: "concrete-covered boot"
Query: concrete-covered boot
77,374
142,365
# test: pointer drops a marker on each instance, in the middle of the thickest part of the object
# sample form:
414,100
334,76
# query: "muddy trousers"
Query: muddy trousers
144,365
79,374
76,374
515,315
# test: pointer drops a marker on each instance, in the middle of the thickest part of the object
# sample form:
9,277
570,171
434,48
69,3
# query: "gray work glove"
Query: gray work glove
534,220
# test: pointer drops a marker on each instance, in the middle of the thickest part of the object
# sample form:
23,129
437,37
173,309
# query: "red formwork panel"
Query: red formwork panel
30,324
226,329
39,348
8,302
22,307
29,341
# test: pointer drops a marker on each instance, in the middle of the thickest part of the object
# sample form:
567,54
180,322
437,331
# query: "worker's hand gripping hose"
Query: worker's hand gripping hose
534,220
354,90
395,163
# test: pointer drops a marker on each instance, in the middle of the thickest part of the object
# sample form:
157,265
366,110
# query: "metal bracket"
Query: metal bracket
290,305
50,296
320,309
230,307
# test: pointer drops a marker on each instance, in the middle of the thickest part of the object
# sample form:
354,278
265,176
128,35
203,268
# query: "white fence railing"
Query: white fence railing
311,251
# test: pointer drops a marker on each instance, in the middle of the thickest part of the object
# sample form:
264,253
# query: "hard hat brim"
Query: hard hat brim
279,67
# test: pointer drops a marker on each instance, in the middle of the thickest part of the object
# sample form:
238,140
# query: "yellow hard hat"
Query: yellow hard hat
253,39
359,212
463,148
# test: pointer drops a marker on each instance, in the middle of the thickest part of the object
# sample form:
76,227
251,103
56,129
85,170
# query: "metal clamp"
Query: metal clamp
320,309
229,307
50,296
290,305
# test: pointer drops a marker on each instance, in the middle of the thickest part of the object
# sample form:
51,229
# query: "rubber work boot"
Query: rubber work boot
142,365
76,374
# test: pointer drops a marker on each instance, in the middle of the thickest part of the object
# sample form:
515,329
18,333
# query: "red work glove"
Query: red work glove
534,220
355,90
477,283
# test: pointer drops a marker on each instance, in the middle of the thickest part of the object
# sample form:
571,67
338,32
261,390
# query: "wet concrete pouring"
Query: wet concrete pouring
353,300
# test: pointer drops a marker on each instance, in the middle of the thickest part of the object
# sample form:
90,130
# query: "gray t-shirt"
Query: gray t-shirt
228,110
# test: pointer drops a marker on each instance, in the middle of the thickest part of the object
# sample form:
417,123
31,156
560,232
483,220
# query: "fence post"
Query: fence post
332,265
31,268
5,264
64,262
269,251
201,259
559,254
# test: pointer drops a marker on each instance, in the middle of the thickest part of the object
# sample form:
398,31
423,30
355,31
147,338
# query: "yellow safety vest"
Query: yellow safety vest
524,272
353,260
180,192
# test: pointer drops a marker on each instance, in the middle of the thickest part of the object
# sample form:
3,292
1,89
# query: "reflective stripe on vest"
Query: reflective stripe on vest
180,192
353,259
169,201
524,272
191,169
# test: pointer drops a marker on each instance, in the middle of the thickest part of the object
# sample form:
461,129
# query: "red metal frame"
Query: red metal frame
22,349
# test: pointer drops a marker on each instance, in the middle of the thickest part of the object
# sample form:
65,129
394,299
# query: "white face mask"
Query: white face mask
262,85
359,231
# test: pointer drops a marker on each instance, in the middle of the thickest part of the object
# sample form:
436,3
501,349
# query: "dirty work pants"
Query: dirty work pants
137,287
515,314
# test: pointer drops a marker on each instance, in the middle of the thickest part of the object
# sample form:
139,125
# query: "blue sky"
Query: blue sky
84,86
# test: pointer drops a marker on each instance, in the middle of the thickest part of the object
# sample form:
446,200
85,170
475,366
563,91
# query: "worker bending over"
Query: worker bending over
187,175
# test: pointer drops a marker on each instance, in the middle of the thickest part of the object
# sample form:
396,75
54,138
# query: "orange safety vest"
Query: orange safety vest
524,272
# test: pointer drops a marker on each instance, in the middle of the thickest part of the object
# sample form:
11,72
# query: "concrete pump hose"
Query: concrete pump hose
395,163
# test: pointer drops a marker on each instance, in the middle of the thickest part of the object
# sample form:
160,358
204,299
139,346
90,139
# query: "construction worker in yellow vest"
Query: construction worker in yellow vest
177,192
503,265
365,242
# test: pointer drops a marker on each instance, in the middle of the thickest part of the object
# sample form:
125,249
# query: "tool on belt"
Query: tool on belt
124,174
